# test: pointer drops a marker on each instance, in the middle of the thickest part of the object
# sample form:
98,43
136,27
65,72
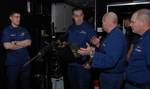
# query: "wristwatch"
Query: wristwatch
15,43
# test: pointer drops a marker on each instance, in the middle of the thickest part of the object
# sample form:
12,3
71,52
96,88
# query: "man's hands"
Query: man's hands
85,51
96,41
90,50
23,43
87,66
13,45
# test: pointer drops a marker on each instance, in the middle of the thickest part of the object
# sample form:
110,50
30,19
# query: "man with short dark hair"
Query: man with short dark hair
79,34
16,39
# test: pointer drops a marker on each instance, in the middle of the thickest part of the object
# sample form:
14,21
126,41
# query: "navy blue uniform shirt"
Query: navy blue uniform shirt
80,34
18,56
110,56
138,69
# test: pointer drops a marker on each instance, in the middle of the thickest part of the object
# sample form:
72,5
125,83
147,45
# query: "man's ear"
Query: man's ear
10,17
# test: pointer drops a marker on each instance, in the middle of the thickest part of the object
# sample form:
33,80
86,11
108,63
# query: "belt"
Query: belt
113,72
140,86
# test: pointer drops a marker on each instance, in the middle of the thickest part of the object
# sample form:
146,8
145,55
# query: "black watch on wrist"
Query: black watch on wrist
15,43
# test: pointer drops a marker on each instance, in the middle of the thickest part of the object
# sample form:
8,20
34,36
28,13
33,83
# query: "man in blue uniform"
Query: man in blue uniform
110,54
79,34
138,71
131,37
15,40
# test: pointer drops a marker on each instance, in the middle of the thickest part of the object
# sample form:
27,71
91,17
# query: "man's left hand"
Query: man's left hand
85,51
87,66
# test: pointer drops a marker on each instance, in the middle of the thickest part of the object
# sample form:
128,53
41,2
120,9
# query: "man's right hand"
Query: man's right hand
96,40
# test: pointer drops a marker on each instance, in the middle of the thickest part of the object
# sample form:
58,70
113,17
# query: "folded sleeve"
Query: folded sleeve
109,58
5,36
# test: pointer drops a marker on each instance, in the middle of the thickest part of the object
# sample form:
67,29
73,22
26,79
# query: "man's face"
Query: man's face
15,19
126,23
78,17
105,24
136,24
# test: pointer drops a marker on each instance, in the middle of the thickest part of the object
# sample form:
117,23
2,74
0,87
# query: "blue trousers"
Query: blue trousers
129,86
111,81
79,78
15,73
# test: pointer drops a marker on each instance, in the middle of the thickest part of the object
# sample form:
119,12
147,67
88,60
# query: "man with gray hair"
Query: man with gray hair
109,55
138,71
